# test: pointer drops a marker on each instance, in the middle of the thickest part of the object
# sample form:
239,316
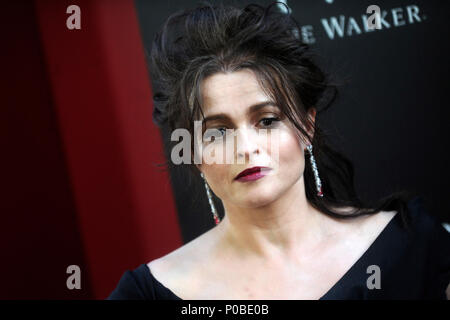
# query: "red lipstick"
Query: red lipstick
252,174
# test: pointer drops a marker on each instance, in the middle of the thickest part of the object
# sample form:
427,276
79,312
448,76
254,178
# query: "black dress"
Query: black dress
412,264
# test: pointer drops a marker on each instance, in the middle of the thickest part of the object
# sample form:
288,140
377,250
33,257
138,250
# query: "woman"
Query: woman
293,227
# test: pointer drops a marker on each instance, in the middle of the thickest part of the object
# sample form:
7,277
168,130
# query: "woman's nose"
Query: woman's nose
246,144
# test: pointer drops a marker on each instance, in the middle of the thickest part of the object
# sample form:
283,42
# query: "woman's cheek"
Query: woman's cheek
217,176
288,143
291,158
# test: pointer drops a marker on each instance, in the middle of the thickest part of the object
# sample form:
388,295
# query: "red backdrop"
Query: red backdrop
80,176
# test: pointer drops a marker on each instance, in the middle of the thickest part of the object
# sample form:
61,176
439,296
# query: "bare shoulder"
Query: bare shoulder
179,269
186,253
379,220
372,225
367,225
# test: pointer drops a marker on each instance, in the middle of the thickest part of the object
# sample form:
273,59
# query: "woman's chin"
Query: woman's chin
256,199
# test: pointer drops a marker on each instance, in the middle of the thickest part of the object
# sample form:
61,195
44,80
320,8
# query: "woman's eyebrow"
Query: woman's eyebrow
251,109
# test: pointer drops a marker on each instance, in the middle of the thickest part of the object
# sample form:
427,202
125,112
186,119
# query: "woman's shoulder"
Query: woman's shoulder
415,219
428,238
151,280
412,251
181,269
177,259
424,224
419,228
421,224
135,284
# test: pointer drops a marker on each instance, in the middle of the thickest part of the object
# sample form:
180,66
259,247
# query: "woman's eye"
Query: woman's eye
221,131
213,133
267,122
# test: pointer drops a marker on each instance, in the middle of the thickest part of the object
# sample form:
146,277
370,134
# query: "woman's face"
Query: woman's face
232,96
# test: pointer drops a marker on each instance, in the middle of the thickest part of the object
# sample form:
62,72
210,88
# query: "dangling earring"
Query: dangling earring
314,168
211,203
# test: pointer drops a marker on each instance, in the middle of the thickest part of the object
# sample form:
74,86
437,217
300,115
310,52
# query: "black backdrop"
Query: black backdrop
391,118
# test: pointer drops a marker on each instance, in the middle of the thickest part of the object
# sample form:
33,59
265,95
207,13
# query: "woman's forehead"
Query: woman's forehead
224,90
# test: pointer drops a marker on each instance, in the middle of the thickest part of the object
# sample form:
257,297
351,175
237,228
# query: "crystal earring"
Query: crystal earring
314,169
211,203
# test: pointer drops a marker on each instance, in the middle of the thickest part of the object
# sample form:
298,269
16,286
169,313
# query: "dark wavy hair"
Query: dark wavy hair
197,43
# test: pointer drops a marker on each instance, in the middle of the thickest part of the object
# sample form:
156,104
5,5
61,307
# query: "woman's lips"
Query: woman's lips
257,173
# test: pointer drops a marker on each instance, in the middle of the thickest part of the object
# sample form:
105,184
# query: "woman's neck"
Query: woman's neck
278,229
